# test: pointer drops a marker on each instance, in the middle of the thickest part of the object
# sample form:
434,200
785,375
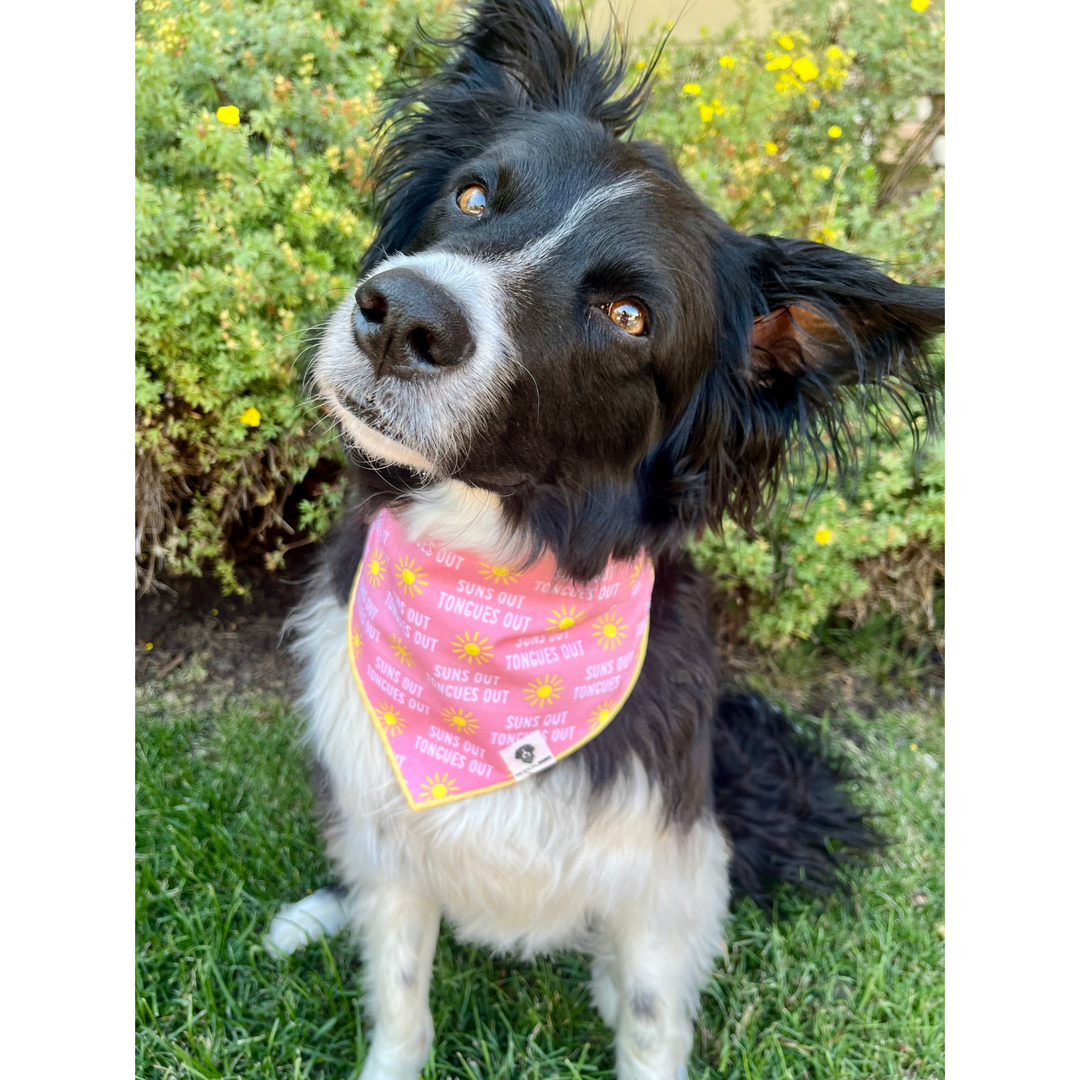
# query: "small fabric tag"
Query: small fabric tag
528,755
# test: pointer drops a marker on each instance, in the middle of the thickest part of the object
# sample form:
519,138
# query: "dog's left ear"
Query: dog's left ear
797,323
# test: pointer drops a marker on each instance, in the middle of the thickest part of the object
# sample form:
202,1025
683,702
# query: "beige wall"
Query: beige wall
715,14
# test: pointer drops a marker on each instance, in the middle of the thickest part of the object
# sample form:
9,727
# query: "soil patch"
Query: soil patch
217,646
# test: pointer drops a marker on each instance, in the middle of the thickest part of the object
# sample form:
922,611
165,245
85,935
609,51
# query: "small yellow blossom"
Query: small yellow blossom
691,88
706,112
914,746
919,5
834,53
251,417
727,61
805,68
835,132
229,114
640,65
823,536
781,62
823,172
148,646
814,102
771,148
785,42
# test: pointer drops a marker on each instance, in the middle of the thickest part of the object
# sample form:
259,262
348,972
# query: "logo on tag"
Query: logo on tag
528,755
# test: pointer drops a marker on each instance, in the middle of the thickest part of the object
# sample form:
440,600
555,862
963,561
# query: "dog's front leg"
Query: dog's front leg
398,927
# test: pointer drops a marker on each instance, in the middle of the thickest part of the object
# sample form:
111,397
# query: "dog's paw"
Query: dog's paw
322,914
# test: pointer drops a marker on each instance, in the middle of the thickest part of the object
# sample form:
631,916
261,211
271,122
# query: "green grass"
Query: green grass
225,835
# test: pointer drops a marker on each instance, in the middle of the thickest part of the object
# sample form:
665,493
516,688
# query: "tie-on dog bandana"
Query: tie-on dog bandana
477,675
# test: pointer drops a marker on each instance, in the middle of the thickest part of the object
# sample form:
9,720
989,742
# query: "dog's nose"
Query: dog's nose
409,325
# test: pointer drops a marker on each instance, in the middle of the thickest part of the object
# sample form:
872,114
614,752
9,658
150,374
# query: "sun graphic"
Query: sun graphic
354,640
543,690
437,787
460,720
389,719
609,631
564,618
376,567
501,574
470,647
600,715
401,651
410,577
635,572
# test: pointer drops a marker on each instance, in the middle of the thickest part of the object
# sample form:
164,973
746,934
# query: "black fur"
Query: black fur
607,443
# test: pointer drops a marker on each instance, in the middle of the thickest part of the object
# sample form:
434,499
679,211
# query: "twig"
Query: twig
914,153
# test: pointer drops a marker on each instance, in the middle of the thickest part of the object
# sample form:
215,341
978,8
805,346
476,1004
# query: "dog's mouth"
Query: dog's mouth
366,427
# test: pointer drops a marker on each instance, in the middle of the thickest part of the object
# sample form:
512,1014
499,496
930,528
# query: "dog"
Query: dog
558,357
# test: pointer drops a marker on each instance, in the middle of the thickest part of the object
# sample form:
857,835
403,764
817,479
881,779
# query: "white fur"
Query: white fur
527,869
322,914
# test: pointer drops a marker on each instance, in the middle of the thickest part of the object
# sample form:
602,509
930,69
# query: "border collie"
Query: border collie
558,357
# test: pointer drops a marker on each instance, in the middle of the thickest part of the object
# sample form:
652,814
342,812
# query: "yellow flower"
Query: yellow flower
727,61
823,172
470,647
609,631
804,67
706,112
785,42
781,62
919,5
914,746
229,114
148,646
771,148
814,102
543,690
460,720
835,131
251,417
834,53
691,88
823,536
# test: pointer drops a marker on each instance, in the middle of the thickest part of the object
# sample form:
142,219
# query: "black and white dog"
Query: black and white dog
556,348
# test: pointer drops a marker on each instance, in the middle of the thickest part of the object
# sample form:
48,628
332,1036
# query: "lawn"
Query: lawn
835,988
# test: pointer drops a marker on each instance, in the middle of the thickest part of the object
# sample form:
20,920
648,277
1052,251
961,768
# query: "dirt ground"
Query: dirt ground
233,645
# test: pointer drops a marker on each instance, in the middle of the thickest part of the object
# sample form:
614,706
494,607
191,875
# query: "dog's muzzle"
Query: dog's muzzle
409,326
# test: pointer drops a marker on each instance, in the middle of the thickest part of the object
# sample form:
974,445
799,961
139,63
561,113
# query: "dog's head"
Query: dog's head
551,314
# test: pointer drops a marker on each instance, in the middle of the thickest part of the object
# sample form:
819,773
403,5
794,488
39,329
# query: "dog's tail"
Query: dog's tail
779,797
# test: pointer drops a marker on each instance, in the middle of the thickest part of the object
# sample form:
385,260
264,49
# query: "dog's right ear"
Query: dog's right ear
511,56
807,337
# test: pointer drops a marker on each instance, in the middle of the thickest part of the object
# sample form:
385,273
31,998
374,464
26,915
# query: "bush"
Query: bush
248,234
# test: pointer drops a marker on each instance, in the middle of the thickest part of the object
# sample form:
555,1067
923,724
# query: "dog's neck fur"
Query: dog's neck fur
457,516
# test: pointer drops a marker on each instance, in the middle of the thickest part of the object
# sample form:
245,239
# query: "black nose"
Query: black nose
409,325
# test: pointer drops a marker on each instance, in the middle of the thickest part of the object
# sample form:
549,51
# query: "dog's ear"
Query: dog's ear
512,55
805,336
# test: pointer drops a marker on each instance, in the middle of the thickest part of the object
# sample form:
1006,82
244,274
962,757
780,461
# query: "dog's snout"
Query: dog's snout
409,325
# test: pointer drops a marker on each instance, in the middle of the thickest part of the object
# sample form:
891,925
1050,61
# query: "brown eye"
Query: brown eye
627,315
472,200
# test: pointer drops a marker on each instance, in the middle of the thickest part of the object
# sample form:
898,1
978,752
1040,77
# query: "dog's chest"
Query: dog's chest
525,867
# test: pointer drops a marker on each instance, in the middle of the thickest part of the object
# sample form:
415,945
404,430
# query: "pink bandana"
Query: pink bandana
476,675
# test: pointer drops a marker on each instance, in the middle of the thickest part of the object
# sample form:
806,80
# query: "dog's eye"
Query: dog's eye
627,315
472,200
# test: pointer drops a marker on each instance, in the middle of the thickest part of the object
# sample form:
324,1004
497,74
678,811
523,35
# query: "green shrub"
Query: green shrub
247,235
